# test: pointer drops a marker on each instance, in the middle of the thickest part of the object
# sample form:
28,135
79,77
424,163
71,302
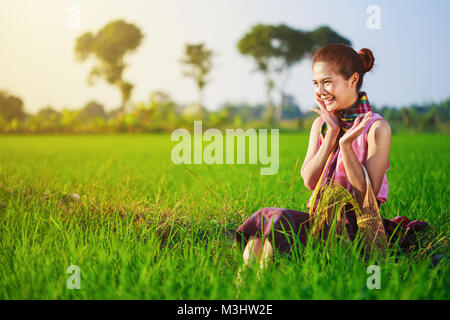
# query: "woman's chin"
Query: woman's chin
332,107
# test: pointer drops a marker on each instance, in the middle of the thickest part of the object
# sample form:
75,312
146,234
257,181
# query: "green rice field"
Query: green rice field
140,227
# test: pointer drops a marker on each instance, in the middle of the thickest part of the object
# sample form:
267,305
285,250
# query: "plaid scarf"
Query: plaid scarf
349,115
346,117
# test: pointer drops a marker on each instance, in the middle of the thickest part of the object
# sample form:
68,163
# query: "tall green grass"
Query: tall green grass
144,228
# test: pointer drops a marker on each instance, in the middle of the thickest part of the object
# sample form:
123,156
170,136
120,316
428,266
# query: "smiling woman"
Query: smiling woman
348,148
338,76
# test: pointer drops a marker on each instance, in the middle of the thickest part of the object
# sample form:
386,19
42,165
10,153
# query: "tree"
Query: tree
198,61
161,103
290,46
92,110
257,43
11,107
109,46
323,36
48,112
46,120
291,110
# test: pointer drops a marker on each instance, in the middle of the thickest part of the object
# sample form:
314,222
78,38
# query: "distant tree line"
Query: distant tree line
161,114
274,49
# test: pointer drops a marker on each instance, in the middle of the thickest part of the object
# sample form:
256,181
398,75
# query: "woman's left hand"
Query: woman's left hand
355,130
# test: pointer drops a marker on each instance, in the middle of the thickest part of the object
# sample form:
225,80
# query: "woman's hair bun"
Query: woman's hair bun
367,59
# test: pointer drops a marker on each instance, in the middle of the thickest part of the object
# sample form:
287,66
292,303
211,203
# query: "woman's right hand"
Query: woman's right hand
330,118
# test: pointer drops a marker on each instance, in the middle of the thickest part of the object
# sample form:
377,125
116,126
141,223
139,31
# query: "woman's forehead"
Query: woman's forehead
322,71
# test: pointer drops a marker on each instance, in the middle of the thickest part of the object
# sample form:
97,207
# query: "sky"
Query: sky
37,61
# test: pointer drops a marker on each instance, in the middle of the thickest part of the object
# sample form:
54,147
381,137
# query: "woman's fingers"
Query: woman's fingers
320,103
358,125
367,116
357,128
366,119
355,123
316,111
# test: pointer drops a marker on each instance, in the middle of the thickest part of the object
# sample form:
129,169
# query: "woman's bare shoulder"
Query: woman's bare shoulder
380,129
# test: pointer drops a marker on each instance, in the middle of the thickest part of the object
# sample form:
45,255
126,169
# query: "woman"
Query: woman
345,136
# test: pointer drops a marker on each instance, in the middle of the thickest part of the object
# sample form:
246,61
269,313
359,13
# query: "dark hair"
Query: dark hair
346,60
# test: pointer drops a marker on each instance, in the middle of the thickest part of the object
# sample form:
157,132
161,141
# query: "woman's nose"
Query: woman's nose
321,90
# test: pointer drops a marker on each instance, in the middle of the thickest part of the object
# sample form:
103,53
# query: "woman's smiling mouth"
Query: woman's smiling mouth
328,101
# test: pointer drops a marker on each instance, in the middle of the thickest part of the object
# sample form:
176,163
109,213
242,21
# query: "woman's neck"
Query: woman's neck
355,102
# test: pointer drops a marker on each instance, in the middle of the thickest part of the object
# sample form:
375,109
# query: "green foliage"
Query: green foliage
289,45
258,45
323,36
46,120
91,111
431,117
162,114
198,58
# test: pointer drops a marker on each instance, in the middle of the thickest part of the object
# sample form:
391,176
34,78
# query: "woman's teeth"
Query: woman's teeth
328,101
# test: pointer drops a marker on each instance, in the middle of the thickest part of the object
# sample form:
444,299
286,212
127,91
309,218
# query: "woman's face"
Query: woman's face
336,92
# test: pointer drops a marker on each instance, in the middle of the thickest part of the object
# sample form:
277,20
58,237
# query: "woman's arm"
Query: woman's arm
316,156
378,143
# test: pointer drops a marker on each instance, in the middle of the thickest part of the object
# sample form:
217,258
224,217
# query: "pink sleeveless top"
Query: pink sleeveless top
360,148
